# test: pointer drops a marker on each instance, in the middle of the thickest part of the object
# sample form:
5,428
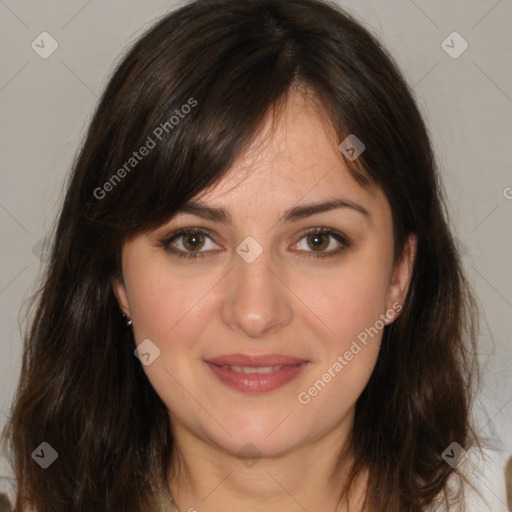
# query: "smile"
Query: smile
256,379
252,369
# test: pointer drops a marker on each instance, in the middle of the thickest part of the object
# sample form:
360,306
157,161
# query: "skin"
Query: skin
282,303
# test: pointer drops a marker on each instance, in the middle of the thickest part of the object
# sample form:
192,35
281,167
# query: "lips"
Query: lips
256,373
255,361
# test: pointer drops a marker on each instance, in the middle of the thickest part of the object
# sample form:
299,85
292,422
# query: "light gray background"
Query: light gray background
47,103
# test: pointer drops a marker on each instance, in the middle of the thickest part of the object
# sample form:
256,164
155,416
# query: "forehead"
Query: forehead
293,158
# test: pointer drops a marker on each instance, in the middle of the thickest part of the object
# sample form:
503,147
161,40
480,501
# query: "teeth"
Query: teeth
247,369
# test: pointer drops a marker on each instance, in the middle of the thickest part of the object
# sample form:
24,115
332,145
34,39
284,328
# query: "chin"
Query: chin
253,447
259,439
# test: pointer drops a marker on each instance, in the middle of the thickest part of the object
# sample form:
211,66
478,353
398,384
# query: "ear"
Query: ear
397,290
120,293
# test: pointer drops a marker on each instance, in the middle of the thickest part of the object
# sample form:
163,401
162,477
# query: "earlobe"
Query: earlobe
402,273
120,293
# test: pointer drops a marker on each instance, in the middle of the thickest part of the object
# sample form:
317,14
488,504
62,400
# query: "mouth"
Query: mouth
256,374
253,369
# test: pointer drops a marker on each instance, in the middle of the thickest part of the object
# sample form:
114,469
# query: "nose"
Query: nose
257,301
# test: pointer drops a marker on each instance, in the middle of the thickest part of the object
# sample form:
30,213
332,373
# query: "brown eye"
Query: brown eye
189,243
193,241
322,242
318,241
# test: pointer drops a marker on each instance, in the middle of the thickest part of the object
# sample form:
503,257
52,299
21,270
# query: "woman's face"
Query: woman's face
264,293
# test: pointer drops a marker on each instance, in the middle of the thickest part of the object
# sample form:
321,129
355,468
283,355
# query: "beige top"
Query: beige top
166,503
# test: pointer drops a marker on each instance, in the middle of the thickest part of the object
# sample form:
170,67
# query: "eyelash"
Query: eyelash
166,243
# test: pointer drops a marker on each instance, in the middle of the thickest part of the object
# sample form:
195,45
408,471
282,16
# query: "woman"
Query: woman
253,300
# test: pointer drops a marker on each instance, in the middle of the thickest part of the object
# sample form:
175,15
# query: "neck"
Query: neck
208,479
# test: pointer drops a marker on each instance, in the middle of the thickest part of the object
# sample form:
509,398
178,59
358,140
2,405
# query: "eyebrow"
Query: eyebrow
217,214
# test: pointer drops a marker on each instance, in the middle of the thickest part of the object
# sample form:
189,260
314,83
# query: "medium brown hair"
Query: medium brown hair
233,62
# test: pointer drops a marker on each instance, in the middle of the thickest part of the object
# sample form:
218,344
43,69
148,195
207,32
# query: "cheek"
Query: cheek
350,306
171,312
350,298
161,301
